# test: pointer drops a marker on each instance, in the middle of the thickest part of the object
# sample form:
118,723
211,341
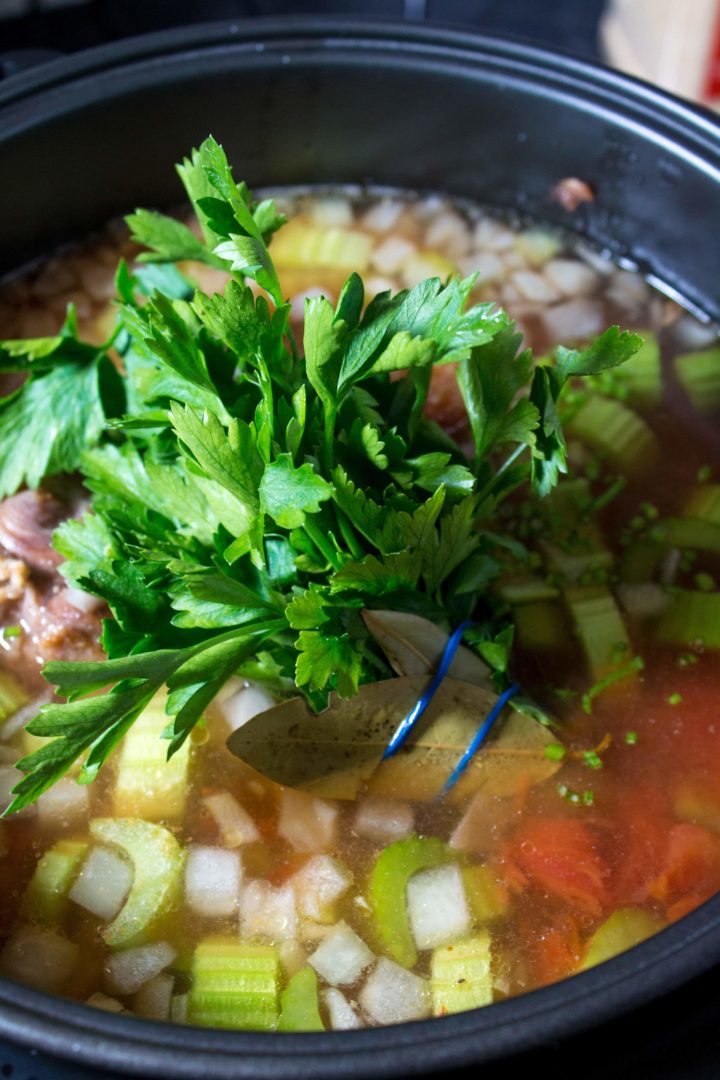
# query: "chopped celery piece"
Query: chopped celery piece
299,1003
158,862
540,625
691,617
642,373
484,894
699,376
527,589
393,868
574,562
12,696
704,504
148,785
600,629
623,929
697,802
46,898
640,561
301,245
616,433
689,532
460,976
234,985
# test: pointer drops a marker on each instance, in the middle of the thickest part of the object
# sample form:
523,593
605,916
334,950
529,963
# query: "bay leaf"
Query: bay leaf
414,646
337,753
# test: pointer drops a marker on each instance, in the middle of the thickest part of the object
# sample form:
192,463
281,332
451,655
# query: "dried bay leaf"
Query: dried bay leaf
414,646
337,753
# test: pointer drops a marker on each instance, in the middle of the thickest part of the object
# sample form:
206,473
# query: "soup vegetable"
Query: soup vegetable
239,532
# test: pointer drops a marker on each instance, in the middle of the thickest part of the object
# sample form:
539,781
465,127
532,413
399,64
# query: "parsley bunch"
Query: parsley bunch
249,501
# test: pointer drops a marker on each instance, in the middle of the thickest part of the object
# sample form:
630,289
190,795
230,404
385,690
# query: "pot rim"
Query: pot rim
692,946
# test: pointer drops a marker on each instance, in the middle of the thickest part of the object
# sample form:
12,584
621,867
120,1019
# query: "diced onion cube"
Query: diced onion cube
236,709
65,805
393,995
153,999
127,971
341,957
331,210
41,958
212,881
391,254
383,820
306,822
437,906
107,1004
267,912
103,883
320,883
341,1015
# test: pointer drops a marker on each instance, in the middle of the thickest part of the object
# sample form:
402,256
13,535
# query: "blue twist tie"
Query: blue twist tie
406,725
479,738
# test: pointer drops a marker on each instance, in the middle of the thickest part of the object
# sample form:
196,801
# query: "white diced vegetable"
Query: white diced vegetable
81,600
574,320
320,883
127,971
391,254
490,235
235,824
383,820
535,287
450,233
341,957
153,999
378,284
393,995
292,957
571,276
267,912
212,881
103,883
65,805
107,1004
382,215
341,1015
297,304
236,709
486,264
179,1008
306,822
41,958
437,906
331,210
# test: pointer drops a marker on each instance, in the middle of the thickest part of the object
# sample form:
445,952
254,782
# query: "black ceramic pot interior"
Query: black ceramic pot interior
87,138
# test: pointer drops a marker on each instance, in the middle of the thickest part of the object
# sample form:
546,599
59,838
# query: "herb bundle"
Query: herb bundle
250,499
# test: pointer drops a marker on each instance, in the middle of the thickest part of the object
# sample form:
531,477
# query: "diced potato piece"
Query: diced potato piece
103,883
393,995
306,822
39,957
383,820
437,906
319,885
212,881
127,971
341,957
267,913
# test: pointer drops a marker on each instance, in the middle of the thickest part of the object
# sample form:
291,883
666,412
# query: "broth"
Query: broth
542,877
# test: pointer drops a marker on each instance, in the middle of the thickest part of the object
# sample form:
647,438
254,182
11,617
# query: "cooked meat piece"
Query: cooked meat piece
572,192
27,522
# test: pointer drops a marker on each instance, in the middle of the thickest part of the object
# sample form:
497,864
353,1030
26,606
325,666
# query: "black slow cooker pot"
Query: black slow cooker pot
86,138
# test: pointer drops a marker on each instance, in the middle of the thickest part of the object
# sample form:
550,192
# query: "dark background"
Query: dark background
673,1038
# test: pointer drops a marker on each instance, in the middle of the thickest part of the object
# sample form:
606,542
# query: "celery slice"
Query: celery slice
12,696
299,1003
540,625
148,785
623,929
46,898
484,894
616,433
704,504
158,862
388,883
460,975
642,373
300,244
691,617
234,985
699,376
527,589
600,629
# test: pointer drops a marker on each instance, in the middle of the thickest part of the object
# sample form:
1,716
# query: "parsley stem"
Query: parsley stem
484,492
348,534
321,542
